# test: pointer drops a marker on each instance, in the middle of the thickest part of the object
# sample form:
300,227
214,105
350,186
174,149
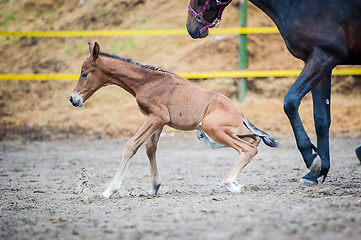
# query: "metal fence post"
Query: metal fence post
242,83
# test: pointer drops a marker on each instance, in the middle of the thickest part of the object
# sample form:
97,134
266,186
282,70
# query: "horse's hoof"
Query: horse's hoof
154,190
107,194
307,182
315,167
234,187
103,195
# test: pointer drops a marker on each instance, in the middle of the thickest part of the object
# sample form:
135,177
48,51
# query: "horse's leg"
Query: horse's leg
223,130
318,67
251,138
321,95
247,150
226,136
150,125
322,116
151,148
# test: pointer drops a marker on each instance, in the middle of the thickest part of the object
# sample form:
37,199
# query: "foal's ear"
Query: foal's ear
90,47
94,50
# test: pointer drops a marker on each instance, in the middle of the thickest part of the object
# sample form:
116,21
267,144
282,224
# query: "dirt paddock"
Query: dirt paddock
50,190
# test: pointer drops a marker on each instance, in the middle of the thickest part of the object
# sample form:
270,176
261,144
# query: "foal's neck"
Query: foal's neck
130,76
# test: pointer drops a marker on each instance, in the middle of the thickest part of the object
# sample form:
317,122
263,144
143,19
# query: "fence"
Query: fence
159,32
192,75
154,32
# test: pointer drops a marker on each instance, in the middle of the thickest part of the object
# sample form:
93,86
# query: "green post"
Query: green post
242,84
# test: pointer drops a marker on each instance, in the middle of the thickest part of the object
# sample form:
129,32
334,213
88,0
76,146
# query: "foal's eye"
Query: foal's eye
84,74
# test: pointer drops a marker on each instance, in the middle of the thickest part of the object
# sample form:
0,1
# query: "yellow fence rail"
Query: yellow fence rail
139,32
159,32
192,75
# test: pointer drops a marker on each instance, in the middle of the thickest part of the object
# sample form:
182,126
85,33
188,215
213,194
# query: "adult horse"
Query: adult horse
322,33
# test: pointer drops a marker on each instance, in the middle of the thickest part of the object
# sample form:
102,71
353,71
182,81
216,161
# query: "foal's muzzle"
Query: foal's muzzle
76,100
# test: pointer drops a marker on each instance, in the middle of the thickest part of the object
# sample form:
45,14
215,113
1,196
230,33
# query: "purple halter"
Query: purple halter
199,16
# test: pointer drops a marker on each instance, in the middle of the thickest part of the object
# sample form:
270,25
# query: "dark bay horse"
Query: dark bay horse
169,99
322,33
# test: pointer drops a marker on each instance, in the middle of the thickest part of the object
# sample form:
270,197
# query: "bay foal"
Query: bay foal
168,99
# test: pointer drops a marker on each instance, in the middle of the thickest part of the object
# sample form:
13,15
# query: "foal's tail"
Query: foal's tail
267,139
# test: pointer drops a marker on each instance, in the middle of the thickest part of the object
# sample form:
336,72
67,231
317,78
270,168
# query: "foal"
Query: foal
168,99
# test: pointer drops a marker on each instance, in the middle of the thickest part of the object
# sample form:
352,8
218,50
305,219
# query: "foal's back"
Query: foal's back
186,104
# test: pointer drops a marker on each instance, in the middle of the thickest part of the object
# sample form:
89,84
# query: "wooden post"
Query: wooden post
242,84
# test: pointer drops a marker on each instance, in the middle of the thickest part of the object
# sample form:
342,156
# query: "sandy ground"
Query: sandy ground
41,110
50,189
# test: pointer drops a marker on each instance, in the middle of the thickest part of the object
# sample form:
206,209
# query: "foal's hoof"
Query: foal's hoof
154,190
234,187
315,167
107,194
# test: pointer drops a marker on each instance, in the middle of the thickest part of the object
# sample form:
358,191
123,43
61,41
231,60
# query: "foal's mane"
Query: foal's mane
131,61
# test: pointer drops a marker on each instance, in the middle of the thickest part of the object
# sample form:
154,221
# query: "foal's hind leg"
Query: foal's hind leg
221,123
151,148
251,138
246,150
247,153
150,125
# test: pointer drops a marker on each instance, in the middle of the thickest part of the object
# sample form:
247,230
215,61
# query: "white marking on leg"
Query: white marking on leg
230,180
315,167
151,148
115,184
156,180
155,187
234,187
150,125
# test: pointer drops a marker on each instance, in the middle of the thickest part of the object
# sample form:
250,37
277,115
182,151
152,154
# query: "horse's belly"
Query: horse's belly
187,107
184,121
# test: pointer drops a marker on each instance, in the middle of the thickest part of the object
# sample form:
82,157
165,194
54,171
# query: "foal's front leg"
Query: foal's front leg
150,125
151,148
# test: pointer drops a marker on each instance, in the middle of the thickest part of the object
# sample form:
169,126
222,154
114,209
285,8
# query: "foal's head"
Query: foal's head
204,14
91,78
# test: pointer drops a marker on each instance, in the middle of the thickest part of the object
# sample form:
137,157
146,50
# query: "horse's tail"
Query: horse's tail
267,139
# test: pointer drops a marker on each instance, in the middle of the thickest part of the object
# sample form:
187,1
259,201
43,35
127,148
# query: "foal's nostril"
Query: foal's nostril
71,99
